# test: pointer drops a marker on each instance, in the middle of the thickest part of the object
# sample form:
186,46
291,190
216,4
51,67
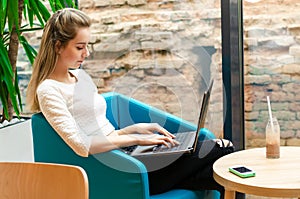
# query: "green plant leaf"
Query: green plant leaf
69,3
6,67
43,10
57,5
27,13
3,8
3,94
4,63
12,14
34,7
7,85
12,93
29,50
51,2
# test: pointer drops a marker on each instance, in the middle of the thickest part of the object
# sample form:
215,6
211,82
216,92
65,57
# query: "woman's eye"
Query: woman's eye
79,48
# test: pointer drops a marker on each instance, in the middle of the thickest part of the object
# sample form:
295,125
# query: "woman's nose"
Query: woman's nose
86,53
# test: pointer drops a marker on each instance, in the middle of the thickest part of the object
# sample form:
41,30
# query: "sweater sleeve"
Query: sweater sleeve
55,110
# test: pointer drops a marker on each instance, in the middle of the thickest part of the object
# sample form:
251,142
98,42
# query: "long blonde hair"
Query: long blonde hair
61,27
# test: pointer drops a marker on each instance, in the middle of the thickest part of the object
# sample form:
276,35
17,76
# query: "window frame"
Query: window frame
233,72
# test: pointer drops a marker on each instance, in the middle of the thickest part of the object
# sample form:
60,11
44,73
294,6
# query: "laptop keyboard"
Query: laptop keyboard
129,149
182,138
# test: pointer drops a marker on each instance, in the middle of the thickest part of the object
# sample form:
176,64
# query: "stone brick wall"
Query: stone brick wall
164,52
160,52
272,67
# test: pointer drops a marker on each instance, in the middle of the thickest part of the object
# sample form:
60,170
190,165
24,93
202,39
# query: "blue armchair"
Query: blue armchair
114,174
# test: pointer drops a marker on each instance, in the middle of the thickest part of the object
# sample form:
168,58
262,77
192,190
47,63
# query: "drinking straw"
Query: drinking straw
270,114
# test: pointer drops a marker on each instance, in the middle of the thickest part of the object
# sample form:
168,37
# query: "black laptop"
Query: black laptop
187,140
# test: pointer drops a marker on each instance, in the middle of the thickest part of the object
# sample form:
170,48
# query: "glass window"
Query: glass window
272,68
163,53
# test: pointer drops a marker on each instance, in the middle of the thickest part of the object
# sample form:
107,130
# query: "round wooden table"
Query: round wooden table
274,177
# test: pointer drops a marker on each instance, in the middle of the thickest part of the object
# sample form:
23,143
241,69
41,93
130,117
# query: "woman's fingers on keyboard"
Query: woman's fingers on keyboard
168,141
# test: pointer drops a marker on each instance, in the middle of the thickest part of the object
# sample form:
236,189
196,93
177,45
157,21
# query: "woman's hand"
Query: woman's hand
149,134
155,139
146,128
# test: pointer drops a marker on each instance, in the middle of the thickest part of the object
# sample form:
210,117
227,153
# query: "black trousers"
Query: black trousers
190,171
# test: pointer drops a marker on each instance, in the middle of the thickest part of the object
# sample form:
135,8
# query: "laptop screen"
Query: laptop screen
203,111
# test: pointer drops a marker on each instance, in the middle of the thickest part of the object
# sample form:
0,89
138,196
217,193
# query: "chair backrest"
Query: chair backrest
28,180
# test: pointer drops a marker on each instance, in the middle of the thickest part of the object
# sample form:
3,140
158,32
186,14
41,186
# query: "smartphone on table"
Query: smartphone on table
242,171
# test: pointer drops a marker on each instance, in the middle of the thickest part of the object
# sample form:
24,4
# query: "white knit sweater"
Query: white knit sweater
76,111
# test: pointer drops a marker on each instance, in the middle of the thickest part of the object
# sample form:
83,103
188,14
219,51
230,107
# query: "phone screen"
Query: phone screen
242,169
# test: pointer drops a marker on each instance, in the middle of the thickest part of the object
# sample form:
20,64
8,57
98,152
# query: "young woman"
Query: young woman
71,104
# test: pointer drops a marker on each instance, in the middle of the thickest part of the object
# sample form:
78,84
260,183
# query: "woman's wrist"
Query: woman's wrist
127,130
124,131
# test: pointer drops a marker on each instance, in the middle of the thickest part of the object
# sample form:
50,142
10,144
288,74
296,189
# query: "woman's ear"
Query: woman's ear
58,47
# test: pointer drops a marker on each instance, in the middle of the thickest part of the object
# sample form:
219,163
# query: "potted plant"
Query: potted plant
13,13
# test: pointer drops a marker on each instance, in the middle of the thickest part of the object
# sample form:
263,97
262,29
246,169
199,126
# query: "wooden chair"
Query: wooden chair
42,180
